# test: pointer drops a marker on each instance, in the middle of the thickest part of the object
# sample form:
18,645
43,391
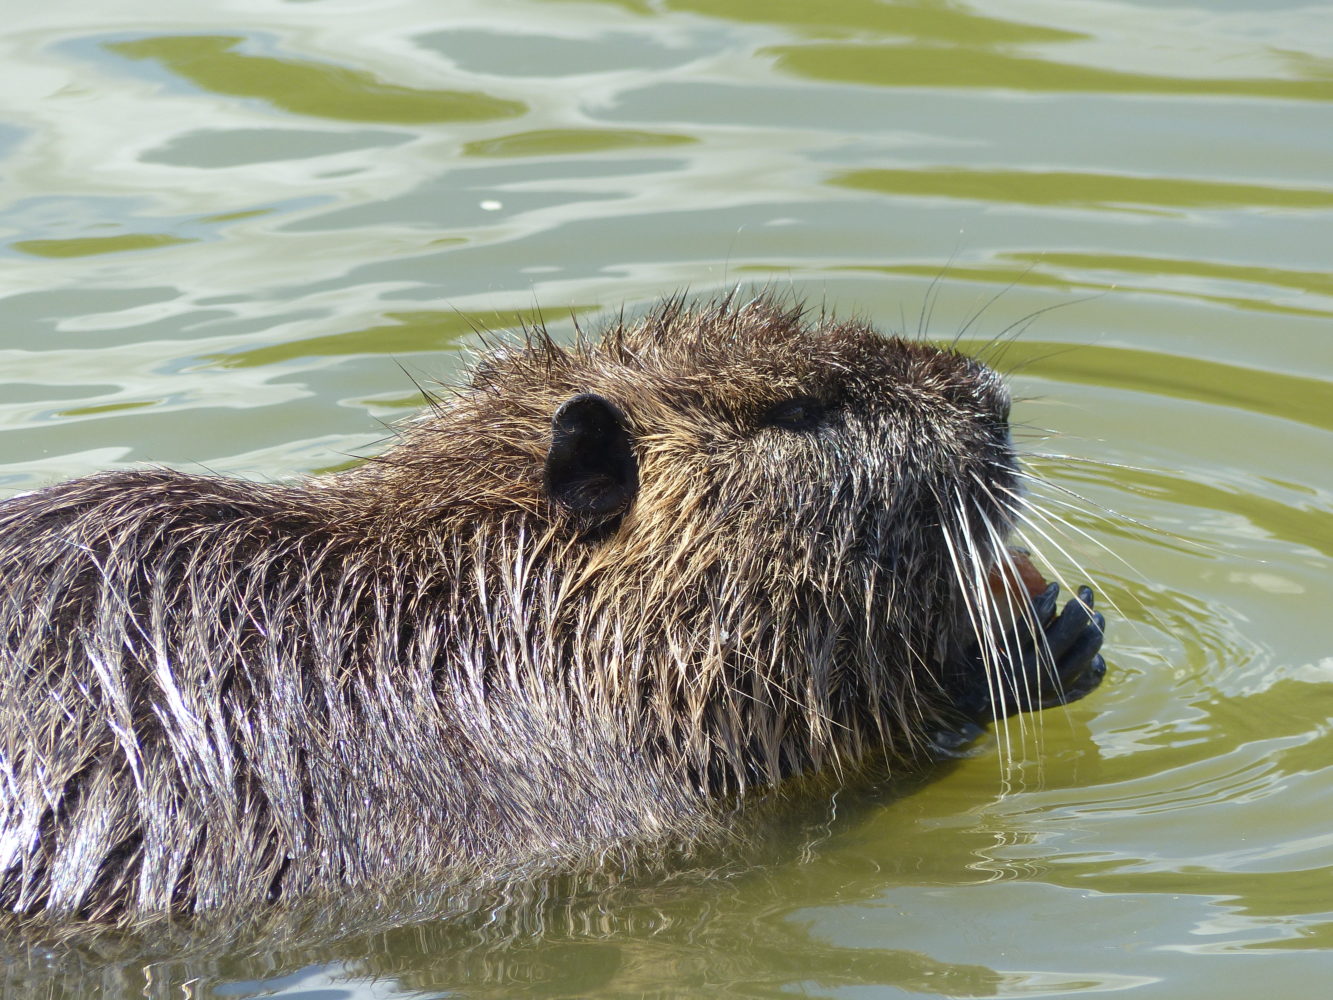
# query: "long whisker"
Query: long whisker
1054,521
1029,507
995,693
994,349
1089,505
999,634
987,304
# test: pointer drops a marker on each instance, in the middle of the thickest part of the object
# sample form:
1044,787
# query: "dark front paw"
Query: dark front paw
1048,659
1071,664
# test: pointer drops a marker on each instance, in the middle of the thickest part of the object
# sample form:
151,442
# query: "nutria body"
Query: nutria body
593,594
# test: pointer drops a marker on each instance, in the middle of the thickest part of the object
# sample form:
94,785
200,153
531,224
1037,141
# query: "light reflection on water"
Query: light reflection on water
224,227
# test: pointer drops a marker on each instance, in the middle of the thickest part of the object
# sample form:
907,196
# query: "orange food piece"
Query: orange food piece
1019,579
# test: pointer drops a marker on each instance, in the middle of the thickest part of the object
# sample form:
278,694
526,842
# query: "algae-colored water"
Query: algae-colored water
227,228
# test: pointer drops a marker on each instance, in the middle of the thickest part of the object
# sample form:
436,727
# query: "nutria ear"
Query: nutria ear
591,470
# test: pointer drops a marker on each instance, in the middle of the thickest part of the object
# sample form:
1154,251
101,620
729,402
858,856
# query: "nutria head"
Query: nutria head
767,528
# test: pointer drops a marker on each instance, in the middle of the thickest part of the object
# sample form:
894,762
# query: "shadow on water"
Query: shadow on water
721,914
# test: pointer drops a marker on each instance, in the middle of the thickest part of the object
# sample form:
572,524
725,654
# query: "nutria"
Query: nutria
578,606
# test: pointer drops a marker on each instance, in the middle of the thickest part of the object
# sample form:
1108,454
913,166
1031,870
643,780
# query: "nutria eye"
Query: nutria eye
800,413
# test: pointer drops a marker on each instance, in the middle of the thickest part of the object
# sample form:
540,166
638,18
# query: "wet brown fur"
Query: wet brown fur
218,693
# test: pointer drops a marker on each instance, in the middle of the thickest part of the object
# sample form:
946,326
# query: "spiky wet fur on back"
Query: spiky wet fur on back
219,692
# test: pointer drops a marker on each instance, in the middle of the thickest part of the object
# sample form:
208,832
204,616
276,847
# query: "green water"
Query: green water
227,228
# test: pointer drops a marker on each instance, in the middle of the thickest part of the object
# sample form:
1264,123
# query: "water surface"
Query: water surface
228,228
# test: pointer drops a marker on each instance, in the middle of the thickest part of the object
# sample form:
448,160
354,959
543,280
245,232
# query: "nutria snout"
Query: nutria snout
579,603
